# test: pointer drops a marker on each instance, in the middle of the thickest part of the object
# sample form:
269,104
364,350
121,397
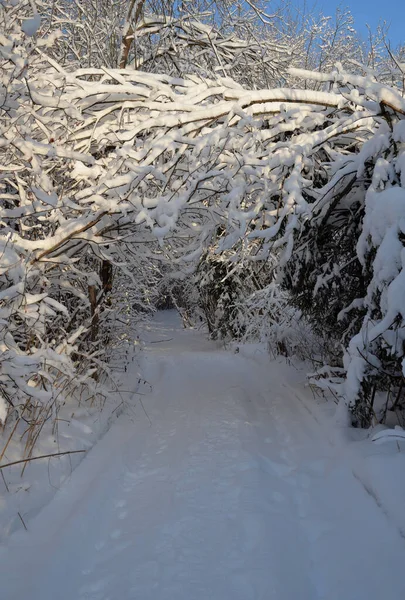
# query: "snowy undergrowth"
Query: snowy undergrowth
27,487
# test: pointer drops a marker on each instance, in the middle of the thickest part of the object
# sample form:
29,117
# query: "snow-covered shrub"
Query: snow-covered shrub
56,249
34,369
347,277
270,317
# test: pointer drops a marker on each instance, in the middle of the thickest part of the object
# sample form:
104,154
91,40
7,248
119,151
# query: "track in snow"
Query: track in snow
230,492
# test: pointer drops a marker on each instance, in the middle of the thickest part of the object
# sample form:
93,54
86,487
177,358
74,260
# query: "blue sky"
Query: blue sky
371,12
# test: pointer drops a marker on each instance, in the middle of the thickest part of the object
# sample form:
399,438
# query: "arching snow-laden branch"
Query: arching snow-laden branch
275,167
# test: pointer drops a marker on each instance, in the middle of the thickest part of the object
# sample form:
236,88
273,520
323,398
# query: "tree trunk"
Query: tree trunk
94,313
106,276
128,34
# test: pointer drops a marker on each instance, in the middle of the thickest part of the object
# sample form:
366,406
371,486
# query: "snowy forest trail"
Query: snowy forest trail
221,485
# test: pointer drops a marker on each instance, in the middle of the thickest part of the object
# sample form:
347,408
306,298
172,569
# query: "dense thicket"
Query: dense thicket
188,148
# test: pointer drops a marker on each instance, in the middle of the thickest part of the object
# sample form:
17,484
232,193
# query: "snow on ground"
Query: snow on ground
223,481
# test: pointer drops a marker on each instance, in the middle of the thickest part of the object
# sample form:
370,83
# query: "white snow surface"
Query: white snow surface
227,484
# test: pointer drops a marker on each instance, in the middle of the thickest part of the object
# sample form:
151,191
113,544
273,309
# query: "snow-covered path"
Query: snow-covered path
228,489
